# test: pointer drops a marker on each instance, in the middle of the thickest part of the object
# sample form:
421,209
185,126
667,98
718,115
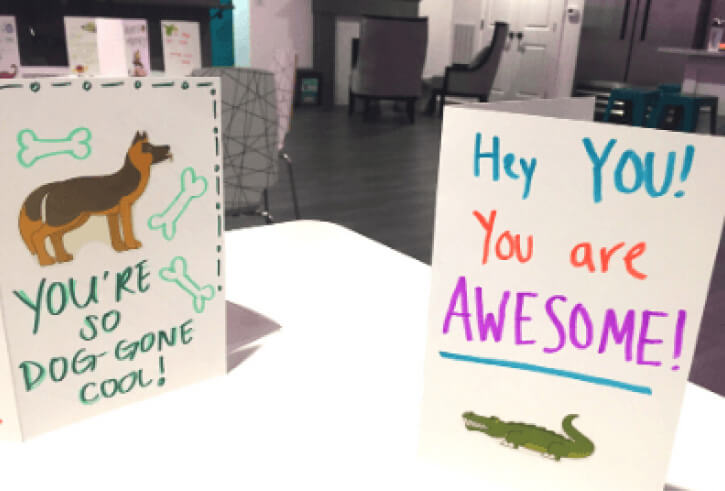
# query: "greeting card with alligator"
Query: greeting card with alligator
571,265
111,276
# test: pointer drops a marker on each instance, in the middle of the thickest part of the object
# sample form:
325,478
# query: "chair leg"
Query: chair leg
655,116
638,112
608,110
713,119
430,107
293,187
411,110
351,104
675,120
265,213
366,108
689,120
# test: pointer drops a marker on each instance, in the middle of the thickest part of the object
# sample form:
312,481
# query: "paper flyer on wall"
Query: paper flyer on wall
571,265
138,61
9,53
82,45
112,277
108,47
182,47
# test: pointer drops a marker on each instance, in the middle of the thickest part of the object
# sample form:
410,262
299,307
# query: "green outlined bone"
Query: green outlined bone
192,187
77,144
177,273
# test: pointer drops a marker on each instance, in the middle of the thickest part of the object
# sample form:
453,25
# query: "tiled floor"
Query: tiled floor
377,178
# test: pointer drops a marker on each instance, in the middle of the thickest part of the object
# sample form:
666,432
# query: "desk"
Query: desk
704,73
330,401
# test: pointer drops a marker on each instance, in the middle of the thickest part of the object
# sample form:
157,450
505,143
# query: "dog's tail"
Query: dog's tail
31,216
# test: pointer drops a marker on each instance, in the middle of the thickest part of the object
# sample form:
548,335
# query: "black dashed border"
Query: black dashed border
217,170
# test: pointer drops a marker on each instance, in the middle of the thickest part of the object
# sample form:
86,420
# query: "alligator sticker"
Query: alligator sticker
572,446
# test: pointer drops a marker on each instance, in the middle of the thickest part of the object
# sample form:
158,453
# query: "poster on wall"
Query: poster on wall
82,46
182,47
571,265
108,47
138,62
112,274
9,54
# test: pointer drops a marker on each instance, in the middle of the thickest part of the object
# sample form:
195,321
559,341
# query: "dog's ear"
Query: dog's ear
140,135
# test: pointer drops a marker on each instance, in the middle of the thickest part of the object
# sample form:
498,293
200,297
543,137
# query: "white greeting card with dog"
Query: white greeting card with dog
111,284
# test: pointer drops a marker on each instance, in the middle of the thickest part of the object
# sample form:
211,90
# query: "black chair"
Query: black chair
474,79
389,62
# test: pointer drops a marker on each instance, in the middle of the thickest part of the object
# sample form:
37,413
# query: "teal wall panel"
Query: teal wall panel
221,28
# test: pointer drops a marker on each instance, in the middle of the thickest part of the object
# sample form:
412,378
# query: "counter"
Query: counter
704,72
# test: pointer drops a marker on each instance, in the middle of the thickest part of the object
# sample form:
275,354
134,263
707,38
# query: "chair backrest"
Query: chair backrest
482,71
391,56
249,134
284,67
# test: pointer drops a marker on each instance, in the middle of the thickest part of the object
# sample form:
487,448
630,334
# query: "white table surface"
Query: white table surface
330,401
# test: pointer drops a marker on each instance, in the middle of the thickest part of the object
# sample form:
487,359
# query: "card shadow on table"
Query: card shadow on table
670,487
244,327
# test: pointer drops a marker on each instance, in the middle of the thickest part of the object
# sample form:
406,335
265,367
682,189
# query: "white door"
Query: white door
540,27
529,61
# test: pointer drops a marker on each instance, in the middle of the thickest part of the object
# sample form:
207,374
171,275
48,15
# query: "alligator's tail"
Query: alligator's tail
582,446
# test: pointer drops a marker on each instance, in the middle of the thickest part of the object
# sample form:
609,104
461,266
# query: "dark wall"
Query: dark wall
393,8
41,34
717,9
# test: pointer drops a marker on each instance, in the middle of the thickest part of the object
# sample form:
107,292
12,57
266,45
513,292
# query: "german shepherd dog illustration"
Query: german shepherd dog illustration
54,209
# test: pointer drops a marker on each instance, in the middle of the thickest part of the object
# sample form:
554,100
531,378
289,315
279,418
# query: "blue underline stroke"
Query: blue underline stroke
640,389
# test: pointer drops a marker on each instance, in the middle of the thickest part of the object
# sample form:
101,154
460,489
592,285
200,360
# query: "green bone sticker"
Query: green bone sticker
177,273
76,144
192,187
574,445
